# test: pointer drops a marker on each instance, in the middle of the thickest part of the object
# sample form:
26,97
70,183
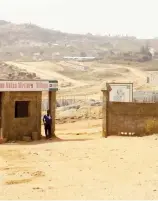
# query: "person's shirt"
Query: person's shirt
47,119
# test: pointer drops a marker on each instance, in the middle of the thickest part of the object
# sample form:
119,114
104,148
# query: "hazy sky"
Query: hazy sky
132,17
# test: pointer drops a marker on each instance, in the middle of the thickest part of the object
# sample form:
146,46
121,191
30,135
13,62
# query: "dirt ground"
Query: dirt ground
80,164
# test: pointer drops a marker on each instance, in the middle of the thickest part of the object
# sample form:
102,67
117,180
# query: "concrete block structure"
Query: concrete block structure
20,107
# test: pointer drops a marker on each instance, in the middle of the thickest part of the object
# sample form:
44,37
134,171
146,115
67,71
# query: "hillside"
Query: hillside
11,72
22,41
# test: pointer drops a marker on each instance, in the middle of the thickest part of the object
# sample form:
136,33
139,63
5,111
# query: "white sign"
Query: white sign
36,85
121,92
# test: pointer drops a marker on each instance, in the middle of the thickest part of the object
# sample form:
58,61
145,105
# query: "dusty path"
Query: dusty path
135,75
136,72
47,70
46,73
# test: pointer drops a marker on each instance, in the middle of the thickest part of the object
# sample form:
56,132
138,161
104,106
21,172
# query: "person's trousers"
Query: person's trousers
47,129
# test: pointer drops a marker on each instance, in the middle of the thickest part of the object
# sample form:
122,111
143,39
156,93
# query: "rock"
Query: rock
69,107
34,74
22,73
98,103
13,73
65,102
92,102
10,75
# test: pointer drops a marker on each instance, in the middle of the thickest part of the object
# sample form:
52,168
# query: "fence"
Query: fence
76,106
70,100
138,96
89,107
145,96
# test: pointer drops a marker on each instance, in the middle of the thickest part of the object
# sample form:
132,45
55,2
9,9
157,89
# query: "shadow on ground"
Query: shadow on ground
47,141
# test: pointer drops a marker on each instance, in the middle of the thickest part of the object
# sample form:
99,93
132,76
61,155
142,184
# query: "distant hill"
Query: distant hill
24,40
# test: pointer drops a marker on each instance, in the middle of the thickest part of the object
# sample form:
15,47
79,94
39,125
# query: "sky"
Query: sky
132,17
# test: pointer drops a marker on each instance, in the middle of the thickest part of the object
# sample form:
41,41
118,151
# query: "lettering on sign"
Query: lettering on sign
28,85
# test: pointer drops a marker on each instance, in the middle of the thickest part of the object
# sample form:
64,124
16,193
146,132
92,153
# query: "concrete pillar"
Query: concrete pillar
52,108
39,113
105,113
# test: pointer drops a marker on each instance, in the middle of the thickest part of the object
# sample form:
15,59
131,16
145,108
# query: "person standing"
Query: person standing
47,120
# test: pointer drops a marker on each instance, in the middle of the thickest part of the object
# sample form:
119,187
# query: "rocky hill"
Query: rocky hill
10,72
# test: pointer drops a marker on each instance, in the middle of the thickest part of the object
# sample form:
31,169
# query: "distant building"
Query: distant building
152,51
80,58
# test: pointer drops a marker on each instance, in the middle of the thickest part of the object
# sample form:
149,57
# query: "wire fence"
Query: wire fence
146,96
71,100
87,106
76,107
62,101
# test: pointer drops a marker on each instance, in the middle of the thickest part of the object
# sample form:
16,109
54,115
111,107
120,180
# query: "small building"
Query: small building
20,107
80,58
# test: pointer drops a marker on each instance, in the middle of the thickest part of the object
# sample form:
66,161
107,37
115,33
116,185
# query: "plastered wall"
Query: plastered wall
15,128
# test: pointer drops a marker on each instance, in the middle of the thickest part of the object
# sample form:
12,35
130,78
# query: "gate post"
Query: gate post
52,108
105,111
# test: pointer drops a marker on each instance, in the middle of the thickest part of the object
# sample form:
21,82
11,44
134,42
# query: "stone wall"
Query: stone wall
15,128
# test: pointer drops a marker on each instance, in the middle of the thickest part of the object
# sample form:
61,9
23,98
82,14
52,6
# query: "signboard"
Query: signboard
26,85
121,92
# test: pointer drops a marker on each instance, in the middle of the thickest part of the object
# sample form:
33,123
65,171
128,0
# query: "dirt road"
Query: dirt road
46,73
83,166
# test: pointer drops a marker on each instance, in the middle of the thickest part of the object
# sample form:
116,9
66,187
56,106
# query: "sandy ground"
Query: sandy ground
80,164
83,166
